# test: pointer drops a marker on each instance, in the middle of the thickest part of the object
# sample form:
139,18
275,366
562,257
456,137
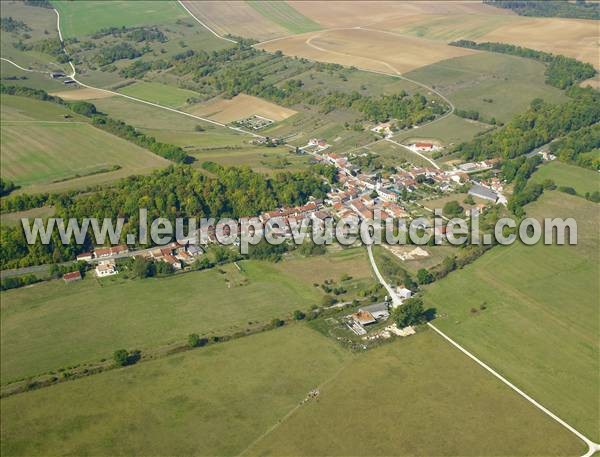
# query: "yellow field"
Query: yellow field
240,107
367,49
235,18
82,94
368,13
576,38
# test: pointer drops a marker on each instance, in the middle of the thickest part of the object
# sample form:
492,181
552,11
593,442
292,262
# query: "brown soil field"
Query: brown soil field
578,38
240,107
362,13
367,49
235,18
82,94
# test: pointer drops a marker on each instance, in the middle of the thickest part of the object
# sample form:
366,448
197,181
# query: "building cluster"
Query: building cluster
175,254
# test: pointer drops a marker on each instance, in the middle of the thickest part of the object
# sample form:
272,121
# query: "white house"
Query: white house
106,268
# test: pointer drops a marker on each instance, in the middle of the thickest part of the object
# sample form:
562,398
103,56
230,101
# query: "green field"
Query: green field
540,326
44,151
79,18
417,397
88,320
161,94
581,179
511,83
210,401
285,15
391,154
450,130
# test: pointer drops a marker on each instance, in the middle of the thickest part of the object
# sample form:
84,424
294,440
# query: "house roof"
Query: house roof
376,308
72,275
483,192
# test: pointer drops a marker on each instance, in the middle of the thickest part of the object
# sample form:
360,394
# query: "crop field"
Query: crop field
84,93
43,151
392,394
160,94
456,25
285,15
495,85
239,107
577,38
84,18
363,13
185,404
581,179
365,48
87,320
539,327
237,18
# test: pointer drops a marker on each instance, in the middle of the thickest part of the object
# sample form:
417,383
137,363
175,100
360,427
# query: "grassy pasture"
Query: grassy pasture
161,94
44,151
42,25
540,328
88,320
392,154
419,396
78,19
186,404
510,82
12,219
581,179
285,15
450,130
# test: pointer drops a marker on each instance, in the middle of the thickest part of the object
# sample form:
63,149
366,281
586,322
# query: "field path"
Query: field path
592,447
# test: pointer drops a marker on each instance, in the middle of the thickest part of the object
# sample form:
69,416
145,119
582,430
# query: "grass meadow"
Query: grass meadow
450,130
418,396
44,151
540,325
210,401
581,179
495,85
88,320
85,18
161,94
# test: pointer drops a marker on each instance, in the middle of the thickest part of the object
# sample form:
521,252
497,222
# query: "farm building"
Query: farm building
72,276
483,192
403,292
378,310
363,318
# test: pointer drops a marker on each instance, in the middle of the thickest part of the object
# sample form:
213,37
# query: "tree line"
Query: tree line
177,191
550,8
540,124
576,147
562,72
